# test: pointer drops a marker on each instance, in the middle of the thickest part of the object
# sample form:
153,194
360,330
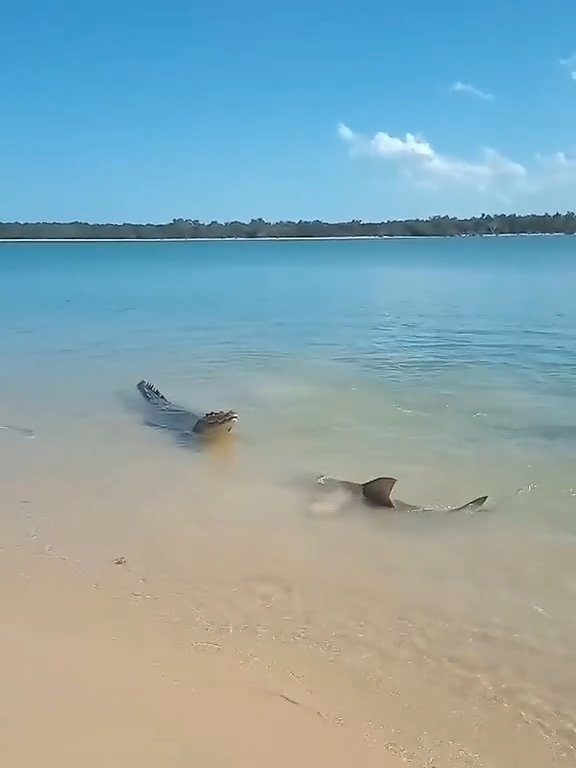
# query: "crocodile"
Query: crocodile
174,417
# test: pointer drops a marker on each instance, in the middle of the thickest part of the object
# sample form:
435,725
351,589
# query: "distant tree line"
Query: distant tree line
436,226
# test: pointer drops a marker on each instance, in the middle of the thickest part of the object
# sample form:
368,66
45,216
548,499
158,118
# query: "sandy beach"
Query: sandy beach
349,238
90,679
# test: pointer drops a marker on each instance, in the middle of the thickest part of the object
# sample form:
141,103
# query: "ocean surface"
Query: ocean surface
449,364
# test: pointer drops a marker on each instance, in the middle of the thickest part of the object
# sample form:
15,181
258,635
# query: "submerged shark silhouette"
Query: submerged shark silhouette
376,493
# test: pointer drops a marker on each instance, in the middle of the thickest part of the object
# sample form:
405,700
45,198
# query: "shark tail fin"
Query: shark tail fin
378,491
471,505
150,393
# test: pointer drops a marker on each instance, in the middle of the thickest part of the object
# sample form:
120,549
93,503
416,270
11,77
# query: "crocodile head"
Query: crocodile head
216,423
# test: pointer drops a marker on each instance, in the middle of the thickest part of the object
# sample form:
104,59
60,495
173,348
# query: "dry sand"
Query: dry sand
91,680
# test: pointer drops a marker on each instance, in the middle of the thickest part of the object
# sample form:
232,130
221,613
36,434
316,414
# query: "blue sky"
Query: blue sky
146,111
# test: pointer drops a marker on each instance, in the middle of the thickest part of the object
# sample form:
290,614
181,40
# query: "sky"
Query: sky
147,111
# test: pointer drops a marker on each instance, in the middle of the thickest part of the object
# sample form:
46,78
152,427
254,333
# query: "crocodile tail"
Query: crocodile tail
150,393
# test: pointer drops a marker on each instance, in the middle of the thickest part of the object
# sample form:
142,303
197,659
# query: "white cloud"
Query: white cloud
570,65
422,162
559,168
345,133
491,173
384,145
460,87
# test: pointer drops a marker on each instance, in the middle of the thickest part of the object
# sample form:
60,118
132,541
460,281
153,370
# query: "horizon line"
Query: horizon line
199,223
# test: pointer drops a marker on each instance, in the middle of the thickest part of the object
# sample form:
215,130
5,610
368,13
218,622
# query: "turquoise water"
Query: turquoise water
400,310
418,357
482,328
447,363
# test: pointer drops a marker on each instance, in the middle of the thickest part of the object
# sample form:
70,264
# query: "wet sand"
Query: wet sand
242,631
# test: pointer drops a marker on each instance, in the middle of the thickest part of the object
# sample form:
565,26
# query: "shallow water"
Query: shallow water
448,364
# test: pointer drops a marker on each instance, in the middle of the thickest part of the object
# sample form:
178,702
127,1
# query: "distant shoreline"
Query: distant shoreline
186,230
270,239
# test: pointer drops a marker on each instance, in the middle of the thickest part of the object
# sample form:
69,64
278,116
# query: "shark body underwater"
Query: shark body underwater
376,493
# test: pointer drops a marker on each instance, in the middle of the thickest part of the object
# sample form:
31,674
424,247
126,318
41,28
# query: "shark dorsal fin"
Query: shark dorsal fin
378,491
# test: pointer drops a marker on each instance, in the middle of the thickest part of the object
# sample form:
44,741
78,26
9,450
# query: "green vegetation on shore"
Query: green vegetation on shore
436,226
